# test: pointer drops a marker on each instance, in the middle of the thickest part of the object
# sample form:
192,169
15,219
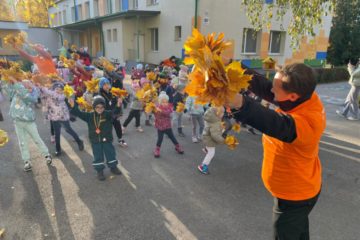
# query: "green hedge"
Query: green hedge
328,75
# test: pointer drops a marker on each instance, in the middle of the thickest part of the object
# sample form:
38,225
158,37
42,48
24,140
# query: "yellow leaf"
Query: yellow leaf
68,91
52,16
180,107
120,93
236,127
92,86
3,140
231,142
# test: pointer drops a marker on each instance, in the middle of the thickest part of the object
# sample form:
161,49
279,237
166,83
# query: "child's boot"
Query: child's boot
81,145
181,134
179,149
100,175
115,170
147,123
157,152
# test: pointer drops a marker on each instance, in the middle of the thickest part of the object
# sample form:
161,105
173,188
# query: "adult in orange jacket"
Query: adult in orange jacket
291,169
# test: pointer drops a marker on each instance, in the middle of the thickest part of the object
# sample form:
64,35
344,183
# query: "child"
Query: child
163,124
136,107
110,105
179,97
197,116
58,114
23,96
100,135
211,135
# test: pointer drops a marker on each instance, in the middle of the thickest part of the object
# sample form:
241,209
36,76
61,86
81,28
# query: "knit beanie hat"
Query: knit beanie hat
162,96
103,81
98,100
57,85
139,66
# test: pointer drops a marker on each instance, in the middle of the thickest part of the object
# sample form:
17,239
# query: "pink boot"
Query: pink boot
157,152
179,149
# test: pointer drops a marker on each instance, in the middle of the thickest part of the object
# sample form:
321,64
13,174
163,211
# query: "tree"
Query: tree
306,15
345,33
33,12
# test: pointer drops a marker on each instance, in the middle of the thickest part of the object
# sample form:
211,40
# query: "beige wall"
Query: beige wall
114,49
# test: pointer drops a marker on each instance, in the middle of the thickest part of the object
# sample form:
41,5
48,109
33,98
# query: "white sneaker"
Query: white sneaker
48,159
338,112
27,166
122,143
195,140
199,138
352,118
139,129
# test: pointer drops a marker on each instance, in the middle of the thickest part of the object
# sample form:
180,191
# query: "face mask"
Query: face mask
288,105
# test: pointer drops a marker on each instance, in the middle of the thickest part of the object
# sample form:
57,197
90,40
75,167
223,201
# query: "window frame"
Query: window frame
178,33
280,42
114,35
154,39
244,41
108,35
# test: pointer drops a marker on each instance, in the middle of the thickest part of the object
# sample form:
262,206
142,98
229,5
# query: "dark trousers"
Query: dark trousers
101,149
117,127
290,218
169,133
133,113
52,131
57,128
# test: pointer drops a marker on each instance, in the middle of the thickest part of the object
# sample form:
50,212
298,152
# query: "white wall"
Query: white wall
114,49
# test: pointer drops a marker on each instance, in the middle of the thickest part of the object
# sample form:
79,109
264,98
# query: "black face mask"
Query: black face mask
288,105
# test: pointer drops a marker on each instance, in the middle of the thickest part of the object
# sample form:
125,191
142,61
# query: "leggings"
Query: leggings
133,113
117,126
169,133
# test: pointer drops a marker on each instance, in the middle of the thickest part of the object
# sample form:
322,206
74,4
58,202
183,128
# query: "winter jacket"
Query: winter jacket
22,101
178,98
136,104
163,117
355,78
64,73
57,110
192,107
110,102
105,120
212,134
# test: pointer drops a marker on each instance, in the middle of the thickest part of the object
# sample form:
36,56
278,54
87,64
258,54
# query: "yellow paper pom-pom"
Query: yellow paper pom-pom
231,142
68,91
236,127
84,105
180,107
120,93
3,138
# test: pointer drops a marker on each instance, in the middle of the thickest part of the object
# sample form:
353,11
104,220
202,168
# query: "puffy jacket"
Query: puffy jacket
57,109
22,101
192,107
212,131
355,77
163,118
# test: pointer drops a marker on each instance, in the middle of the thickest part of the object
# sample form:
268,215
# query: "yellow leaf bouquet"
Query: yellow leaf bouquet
16,40
151,76
180,107
212,81
120,93
68,91
107,65
3,138
236,127
84,105
150,107
42,80
231,142
92,86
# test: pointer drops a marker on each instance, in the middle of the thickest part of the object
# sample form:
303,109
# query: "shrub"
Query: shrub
328,75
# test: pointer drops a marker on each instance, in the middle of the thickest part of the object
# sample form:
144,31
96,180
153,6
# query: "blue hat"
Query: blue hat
57,85
89,68
103,81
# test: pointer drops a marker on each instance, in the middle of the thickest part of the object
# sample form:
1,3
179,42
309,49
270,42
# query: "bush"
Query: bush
328,75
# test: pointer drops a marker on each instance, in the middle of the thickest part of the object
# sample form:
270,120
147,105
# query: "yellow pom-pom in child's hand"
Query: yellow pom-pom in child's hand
68,91
3,138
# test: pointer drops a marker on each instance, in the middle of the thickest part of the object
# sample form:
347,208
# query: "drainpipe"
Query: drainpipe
196,14
137,39
76,11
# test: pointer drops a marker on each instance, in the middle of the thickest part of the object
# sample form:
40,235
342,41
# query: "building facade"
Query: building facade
152,30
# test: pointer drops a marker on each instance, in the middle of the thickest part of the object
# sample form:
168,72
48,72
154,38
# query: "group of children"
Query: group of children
107,110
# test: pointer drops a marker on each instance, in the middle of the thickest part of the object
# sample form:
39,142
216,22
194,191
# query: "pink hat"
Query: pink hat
143,81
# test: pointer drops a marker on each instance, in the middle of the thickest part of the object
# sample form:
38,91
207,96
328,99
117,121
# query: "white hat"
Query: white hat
162,96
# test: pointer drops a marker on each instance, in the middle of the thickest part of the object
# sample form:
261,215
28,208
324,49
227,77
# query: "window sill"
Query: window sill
177,40
275,54
155,51
250,54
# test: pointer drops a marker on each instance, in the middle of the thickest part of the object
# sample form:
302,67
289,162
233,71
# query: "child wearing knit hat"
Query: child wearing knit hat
100,134
163,124
136,107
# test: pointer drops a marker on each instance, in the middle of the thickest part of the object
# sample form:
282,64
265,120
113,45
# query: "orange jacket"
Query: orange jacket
45,65
292,171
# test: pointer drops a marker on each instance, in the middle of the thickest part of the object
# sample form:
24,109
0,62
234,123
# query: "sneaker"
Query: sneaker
204,150
338,112
199,138
122,143
139,129
179,149
203,168
52,139
115,170
157,152
48,159
81,145
100,175
27,166
181,134
195,140
352,118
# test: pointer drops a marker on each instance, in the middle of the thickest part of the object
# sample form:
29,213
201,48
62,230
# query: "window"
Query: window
96,8
64,17
73,14
108,7
249,41
177,33
79,12
109,35
154,39
114,35
87,10
152,2
275,42
59,18
135,4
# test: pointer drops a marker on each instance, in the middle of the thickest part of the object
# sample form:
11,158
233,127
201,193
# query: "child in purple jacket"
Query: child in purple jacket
163,124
